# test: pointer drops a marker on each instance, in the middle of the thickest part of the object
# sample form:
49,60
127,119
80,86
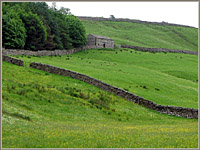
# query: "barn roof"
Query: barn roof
100,37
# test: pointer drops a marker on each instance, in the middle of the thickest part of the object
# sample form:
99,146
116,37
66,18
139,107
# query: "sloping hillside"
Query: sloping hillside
166,79
42,110
146,35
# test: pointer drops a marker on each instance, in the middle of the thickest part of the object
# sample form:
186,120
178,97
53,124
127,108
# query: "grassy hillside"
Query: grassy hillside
42,110
145,35
167,79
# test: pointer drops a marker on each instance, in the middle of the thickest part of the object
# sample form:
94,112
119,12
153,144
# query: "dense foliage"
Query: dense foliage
35,26
77,31
14,32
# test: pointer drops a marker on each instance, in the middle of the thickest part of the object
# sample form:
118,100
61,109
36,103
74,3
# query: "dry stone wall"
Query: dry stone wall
131,20
154,50
45,52
176,111
13,60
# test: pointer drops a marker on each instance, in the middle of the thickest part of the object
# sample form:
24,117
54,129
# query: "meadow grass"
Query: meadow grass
43,110
145,35
164,78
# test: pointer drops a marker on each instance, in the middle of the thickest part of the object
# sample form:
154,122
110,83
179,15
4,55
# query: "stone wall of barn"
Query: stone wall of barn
100,42
91,40
104,43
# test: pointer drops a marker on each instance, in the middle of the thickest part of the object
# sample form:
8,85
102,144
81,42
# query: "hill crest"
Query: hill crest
131,20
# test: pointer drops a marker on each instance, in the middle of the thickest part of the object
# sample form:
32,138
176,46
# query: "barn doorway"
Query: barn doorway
104,45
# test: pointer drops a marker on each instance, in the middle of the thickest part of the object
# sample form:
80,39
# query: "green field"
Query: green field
146,35
167,79
42,110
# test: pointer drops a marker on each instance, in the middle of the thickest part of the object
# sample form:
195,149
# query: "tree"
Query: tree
63,31
65,11
112,17
47,17
49,43
42,27
54,7
76,31
13,31
36,31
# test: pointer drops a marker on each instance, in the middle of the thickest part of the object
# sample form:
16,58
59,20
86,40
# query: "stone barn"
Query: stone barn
100,41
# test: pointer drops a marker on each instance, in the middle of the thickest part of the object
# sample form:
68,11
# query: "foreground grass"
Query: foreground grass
42,110
102,135
167,79
146,35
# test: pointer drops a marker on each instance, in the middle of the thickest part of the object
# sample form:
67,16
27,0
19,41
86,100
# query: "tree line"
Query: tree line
36,26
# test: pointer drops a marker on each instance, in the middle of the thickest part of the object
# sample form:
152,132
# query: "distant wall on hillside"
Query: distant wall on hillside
71,51
176,111
154,50
130,20
45,52
13,60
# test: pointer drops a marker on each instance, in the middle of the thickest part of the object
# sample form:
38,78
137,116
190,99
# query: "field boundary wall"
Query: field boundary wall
158,50
12,60
45,52
171,110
